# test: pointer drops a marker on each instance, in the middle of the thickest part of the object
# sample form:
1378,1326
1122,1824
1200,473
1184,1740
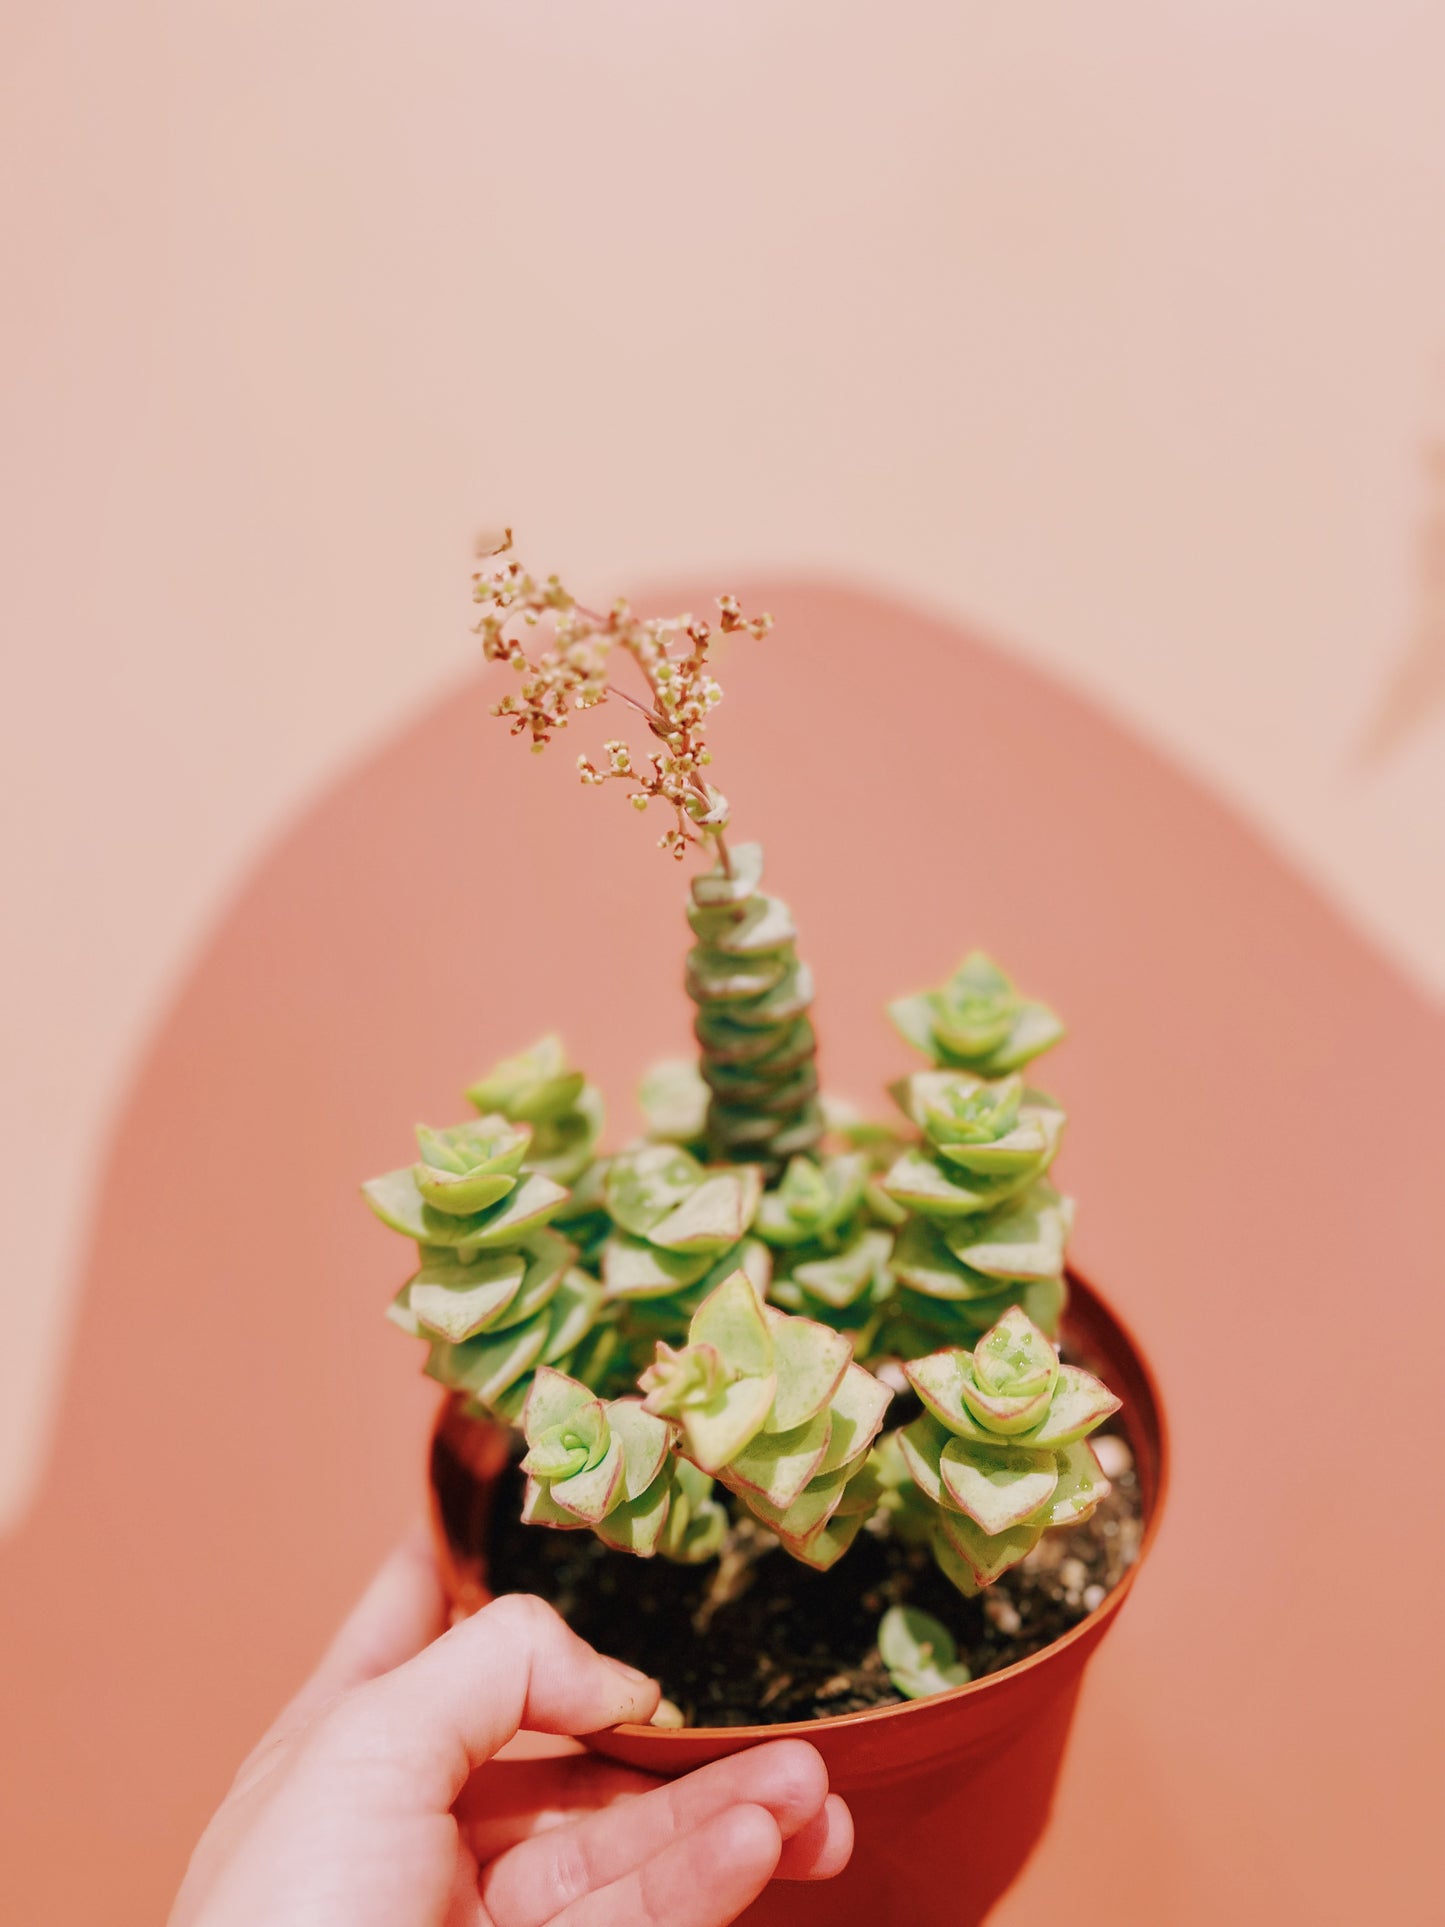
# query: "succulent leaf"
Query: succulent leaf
997,1489
919,1653
732,1320
645,1186
719,886
938,1381
1080,1403
536,1086
553,1399
936,1189
842,1279
764,924
856,1417
813,1199
486,1366
777,1465
674,1101
714,1215
803,1515
1024,1238
456,1301
645,1441
977,1021
1015,1359
922,1260
987,1555
696,1523
633,1268
1081,1484
823,1548
922,1445
811,1360
468,1167
715,1433
572,1312
637,1525
592,1492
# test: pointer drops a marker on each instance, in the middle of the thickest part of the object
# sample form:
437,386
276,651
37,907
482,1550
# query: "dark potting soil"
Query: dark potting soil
758,1639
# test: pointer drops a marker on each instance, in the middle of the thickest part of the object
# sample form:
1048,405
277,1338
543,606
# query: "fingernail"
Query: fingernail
628,1672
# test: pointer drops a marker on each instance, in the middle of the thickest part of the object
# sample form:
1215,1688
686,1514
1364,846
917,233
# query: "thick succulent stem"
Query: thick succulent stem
758,1051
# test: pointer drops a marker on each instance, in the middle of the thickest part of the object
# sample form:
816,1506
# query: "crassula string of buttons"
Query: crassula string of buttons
765,1317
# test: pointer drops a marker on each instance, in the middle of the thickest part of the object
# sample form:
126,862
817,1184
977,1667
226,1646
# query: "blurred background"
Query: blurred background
1115,335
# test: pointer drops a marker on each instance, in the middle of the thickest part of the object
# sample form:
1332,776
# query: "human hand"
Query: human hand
371,1803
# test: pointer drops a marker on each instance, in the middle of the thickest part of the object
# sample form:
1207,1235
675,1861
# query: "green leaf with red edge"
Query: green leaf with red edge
714,1434
987,1555
1079,1404
526,1209
925,1185
552,1400
645,1443
714,1216
734,885
825,1547
814,1505
572,1311
455,1301
842,1280
938,1379
576,1443
592,1493
637,1525
775,1466
952,1564
536,1085
1023,1238
921,1445
540,1509
713,977
1081,1484
1014,1358
632,1268
919,1653
484,1367
810,1360
997,1489
762,925
547,1255
923,1261
645,1186
732,1321
1002,1415
856,1412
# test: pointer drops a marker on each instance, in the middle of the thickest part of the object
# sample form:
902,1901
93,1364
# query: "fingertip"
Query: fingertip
821,1848
746,1836
787,1777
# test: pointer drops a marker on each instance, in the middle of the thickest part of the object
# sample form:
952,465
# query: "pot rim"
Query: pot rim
1144,1421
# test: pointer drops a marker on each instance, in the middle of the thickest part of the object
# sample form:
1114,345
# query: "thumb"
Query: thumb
439,1716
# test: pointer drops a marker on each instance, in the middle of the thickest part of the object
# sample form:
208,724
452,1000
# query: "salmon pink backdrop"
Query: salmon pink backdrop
1258,1106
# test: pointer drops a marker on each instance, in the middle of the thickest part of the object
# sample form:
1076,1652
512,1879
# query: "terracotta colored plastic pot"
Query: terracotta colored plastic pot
949,1795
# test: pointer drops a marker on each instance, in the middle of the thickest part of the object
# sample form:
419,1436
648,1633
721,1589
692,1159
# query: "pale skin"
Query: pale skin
375,1800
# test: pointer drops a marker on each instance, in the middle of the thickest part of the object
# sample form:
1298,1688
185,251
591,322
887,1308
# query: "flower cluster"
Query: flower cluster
570,673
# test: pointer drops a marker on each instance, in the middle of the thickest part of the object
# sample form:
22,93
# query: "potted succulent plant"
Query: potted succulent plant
816,1399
